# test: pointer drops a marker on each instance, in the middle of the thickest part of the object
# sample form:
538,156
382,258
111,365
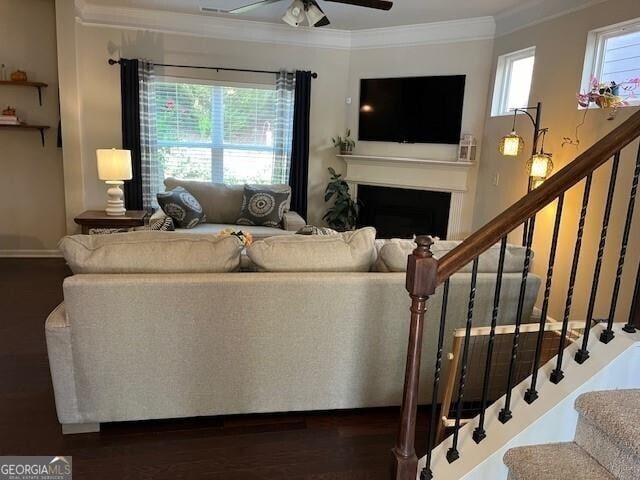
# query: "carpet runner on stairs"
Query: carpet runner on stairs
606,444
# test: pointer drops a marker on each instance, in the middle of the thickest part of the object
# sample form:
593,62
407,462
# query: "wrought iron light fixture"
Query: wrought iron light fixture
539,164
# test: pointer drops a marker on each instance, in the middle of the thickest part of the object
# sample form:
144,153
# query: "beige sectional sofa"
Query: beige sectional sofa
135,346
221,204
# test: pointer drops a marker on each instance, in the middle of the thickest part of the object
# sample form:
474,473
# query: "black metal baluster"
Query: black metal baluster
505,413
532,394
479,433
452,453
607,335
557,375
634,315
583,354
426,473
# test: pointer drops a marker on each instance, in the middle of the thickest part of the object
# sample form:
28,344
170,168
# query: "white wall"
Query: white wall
31,185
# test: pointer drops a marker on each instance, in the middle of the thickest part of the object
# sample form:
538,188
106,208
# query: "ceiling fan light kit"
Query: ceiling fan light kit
309,10
294,15
314,15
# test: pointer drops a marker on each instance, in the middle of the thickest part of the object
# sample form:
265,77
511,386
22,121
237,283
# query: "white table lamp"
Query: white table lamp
114,166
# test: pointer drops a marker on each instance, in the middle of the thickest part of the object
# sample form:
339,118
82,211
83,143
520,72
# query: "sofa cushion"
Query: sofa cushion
393,255
346,252
182,207
221,203
262,206
151,252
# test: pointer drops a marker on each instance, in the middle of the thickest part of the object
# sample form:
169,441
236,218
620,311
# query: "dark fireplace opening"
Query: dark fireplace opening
404,212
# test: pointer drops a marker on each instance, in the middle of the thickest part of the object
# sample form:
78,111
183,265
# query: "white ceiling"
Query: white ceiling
346,17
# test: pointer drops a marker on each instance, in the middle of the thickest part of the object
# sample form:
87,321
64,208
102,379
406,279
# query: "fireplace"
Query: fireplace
404,212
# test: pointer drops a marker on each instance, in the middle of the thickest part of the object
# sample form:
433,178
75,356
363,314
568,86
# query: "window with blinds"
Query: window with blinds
613,55
217,133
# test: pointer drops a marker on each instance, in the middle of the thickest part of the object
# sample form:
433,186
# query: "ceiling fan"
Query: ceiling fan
309,10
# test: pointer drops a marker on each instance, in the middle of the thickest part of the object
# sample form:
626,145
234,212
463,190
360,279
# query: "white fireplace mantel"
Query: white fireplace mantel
417,173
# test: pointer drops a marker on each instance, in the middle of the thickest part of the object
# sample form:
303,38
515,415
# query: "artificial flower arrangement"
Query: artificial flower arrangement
608,94
245,237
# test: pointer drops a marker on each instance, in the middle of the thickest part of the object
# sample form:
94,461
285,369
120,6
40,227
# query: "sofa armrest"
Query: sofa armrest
292,221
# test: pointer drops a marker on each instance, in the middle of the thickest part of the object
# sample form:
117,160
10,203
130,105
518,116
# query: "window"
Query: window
217,133
613,55
513,81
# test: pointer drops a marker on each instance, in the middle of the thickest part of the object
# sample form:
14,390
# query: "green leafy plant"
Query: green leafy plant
343,214
345,144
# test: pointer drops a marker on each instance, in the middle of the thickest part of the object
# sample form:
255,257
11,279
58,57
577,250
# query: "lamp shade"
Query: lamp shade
540,165
511,145
114,165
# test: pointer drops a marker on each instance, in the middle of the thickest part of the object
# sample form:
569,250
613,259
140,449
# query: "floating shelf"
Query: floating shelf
38,85
23,126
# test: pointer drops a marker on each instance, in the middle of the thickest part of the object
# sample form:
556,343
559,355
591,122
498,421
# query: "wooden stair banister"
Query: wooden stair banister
536,200
424,273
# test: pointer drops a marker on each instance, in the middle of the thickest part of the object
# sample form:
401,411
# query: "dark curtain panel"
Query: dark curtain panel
130,90
299,172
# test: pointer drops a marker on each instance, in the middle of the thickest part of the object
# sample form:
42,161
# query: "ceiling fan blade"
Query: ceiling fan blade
323,23
250,7
378,4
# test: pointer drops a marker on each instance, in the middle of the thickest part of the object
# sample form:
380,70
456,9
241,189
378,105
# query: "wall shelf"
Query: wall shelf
23,126
38,85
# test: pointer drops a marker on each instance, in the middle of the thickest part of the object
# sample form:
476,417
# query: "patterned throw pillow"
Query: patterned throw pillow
182,207
262,207
164,224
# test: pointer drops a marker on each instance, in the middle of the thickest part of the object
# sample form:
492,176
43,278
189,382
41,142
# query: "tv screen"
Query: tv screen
412,109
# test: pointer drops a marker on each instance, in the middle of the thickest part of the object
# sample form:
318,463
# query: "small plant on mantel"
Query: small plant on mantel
345,144
343,214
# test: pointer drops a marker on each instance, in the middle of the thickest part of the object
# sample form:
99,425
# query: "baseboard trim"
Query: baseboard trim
30,254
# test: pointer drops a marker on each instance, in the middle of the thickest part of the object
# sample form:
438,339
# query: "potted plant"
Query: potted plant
345,144
343,214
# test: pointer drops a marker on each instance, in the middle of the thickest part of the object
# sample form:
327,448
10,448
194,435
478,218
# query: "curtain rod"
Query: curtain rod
113,62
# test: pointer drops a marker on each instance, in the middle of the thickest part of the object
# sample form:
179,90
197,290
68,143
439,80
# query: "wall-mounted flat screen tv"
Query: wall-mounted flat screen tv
412,109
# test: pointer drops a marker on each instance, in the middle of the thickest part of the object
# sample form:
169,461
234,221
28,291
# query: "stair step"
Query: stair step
609,428
553,461
614,412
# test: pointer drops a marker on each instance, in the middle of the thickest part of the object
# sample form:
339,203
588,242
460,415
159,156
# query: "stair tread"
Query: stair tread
554,461
615,413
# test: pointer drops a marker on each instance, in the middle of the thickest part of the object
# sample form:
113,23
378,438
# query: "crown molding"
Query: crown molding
264,32
478,28
535,12
526,15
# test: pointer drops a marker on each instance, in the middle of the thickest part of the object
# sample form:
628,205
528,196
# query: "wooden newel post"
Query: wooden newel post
422,271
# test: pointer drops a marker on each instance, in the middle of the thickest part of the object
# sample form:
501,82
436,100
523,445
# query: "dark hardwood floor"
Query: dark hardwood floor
319,445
